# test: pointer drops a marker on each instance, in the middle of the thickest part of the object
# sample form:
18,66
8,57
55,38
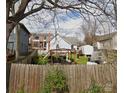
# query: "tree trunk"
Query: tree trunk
7,10
9,29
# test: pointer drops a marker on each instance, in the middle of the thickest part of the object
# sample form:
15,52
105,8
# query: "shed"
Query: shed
86,49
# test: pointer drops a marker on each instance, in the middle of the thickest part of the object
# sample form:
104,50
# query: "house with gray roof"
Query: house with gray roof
23,42
107,41
59,41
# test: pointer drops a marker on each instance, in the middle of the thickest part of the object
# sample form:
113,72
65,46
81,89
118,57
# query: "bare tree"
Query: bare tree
89,38
96,8
89,29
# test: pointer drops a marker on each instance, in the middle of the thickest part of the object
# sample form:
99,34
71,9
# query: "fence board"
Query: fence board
31,77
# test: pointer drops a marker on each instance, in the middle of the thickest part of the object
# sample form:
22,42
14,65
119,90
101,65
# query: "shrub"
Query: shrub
72,60
21,90
55,81
94,88
82,60
40,60
58,59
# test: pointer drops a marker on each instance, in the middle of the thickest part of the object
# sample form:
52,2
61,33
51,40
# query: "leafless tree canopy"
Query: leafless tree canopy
86,8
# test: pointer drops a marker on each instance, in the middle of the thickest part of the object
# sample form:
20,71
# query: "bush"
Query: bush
58,59
72,60
40,60
94,88
55,81
82,60
21,90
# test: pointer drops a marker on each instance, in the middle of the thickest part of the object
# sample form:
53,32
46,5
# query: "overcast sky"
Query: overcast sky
67,24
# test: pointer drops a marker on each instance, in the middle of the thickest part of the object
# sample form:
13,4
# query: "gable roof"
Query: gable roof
70,40
23,27
105,37
73,41
59,36
12,37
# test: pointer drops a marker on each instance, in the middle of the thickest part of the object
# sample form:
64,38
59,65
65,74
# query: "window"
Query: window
36,44
45,44
37,37
72,47
57,46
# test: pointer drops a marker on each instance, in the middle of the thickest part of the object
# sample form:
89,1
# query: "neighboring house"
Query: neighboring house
24,35
23,40
11,44
59,42
40,41
43,42
74,42
102,47
107,41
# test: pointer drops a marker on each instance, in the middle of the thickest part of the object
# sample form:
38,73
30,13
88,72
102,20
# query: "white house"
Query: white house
107,41
59,42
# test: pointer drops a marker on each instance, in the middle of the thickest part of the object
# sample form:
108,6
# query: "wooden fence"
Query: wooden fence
31,77
22,60
25,59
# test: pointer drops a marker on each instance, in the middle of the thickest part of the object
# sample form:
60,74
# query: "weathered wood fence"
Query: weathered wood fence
31,77
23,60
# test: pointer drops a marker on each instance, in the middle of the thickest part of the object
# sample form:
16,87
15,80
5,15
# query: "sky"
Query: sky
67,24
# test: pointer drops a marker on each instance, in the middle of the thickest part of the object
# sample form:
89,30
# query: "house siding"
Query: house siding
12,38
114,39
107,44
40,41
60,42
24,40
